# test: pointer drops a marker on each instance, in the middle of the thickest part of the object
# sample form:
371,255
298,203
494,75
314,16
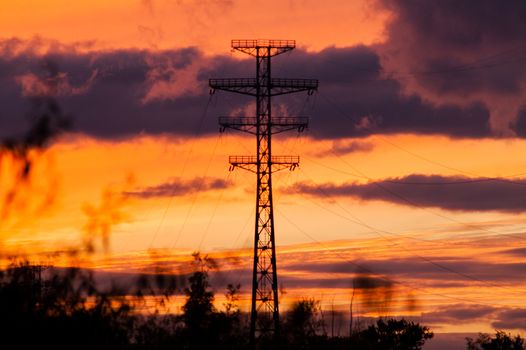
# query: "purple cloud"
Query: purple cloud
510,319
122,93
460,52
456,193
179,187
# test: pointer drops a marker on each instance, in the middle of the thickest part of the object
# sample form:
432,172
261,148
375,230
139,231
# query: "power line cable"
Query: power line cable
172,193
421,207
382,232
428,160
196,194
389,280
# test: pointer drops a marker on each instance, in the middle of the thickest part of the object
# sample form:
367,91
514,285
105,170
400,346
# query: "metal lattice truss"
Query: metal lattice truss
264,320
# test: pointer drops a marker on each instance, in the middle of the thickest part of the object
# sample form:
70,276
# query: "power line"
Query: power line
342,113
205,233
362,175
380,233
196,194
387,279
428,160
417,205
172,193
516,54
428,183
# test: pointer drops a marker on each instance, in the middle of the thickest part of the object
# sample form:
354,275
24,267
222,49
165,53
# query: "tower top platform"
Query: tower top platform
263,43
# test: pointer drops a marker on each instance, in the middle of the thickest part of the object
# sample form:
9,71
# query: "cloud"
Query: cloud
510,319
342,147
460,313
53,84
455,193
179,187
516,252
122,93
439,269
171,76
356,100
113,94
389,284
461,53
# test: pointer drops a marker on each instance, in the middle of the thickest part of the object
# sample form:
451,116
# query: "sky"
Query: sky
411,176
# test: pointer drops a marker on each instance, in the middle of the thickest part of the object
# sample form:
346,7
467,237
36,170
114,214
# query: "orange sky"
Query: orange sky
83,174
161,24
157,160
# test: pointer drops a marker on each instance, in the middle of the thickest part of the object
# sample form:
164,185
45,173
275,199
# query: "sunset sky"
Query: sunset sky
411,173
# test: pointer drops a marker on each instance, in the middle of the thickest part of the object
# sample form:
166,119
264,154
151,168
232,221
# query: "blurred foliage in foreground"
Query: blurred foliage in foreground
63,308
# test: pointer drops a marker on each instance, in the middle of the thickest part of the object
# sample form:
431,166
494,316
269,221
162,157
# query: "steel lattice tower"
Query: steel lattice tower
264,320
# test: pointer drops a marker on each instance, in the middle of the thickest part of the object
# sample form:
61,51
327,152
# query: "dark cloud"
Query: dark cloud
459,313
118,94
455,193
113,94
179,187
516,252
367,281
510,319
443,272
520,126
460,52
356,100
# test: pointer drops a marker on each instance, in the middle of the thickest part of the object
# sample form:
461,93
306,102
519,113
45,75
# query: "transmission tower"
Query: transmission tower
264,319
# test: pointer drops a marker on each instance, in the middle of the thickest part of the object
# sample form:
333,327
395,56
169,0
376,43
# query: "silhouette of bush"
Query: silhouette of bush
501,341
303,325
62,311
392,334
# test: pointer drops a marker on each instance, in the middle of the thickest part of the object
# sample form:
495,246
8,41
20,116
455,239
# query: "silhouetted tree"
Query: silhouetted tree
303,325
232,297
393,335
198,307
501,341
206,327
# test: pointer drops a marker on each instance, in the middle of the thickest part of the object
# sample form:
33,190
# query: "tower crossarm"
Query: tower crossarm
282,124
281,86
277,124
277,162
245,124
245,86
251,46
278,86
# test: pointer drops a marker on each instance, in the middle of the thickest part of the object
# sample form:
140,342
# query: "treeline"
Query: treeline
64,309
